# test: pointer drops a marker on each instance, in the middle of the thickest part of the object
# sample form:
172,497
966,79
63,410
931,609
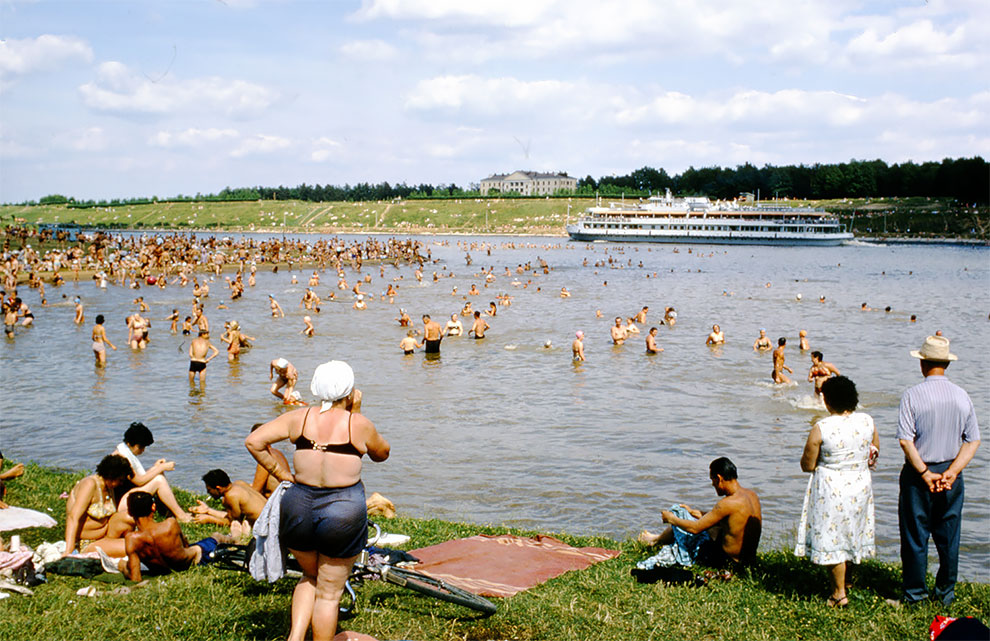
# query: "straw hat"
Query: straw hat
936,348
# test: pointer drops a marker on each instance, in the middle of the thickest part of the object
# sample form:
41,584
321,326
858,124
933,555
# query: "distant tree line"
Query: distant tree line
965,179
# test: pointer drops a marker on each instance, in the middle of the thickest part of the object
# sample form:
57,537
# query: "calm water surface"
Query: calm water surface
505,431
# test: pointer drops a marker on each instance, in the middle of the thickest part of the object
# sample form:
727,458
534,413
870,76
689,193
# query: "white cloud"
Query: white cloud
120,89
87,139
792,34
325,149
512,13
916,44
784,108
191,137
44,53
260,144
614,32
476,94
368,50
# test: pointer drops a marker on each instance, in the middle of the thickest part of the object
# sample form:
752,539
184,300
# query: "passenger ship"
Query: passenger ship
664,219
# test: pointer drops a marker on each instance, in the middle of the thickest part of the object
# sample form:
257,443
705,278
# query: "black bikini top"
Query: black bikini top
303,443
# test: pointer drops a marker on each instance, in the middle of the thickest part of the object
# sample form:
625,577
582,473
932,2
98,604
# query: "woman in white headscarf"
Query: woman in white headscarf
323,515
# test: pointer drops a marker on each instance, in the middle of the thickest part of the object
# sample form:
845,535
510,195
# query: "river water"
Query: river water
505,431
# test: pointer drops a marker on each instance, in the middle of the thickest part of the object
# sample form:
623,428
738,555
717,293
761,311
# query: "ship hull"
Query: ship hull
709,238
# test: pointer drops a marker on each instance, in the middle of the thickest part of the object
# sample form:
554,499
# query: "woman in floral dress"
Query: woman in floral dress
837,524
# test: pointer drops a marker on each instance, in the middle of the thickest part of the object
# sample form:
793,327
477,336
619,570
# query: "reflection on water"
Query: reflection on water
503,430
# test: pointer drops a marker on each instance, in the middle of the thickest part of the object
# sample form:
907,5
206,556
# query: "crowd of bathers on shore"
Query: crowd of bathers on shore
115,502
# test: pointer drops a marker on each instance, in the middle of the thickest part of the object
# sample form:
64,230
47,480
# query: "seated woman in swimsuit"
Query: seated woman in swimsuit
324,516
91,516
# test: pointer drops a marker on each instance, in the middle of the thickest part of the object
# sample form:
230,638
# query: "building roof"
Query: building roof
532,175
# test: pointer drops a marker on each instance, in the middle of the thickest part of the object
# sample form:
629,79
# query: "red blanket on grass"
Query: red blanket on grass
504,565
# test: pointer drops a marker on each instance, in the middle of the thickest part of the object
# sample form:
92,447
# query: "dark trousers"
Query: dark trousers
921,514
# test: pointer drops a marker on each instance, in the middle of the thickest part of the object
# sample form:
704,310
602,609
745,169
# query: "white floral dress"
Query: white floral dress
837,521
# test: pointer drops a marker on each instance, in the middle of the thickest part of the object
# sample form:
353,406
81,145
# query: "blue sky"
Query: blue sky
109,99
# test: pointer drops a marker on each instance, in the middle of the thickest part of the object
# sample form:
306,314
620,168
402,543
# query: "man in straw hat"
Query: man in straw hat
938,432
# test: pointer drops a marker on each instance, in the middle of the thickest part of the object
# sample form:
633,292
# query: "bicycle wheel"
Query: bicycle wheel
439,589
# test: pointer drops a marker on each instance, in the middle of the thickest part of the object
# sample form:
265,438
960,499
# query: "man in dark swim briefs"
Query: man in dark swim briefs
432,335
199,347
479,327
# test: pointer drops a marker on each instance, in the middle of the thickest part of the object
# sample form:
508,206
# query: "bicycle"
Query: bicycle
236,557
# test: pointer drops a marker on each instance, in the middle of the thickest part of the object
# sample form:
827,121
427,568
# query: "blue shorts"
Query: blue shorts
330,520
209,544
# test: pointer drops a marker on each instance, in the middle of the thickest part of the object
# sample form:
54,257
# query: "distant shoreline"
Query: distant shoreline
427,231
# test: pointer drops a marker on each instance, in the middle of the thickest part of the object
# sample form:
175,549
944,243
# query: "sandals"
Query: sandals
832,602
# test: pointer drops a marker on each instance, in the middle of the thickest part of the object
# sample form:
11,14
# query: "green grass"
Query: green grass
465,215
905,216
782,597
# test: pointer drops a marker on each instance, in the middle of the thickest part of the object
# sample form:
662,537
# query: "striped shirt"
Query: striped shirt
938,416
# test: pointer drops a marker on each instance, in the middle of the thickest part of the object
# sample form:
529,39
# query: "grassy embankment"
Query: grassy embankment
922,217
781,598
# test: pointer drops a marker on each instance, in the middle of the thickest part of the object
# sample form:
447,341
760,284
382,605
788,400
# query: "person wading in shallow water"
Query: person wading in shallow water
199,347
778,363
432,335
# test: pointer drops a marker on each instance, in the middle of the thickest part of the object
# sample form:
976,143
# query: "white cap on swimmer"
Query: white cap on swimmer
281,363
332,381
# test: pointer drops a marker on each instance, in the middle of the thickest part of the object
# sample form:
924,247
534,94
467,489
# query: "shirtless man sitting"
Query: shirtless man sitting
161,546
732,528
240,500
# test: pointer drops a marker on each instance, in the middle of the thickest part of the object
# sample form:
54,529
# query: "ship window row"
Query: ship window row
710,227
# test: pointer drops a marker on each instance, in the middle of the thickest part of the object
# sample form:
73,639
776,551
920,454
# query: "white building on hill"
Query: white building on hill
528,183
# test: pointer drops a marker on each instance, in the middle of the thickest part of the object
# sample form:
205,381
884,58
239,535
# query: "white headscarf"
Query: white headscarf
332,381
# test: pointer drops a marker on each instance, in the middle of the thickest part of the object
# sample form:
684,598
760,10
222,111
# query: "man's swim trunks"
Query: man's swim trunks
209,544
432,347
196,366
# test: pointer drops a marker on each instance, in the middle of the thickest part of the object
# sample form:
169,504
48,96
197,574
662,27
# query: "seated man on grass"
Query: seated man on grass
161,546
242,502
730,532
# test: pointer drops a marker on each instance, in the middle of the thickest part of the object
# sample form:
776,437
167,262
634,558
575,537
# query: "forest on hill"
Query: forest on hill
967,180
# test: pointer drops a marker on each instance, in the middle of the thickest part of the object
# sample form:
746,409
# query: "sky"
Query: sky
145,97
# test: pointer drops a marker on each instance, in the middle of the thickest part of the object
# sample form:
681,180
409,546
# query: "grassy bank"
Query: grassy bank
780,598
919,217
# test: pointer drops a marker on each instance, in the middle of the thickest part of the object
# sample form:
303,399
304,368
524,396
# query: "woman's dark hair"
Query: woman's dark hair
114,467
840,394
138,434
99,319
